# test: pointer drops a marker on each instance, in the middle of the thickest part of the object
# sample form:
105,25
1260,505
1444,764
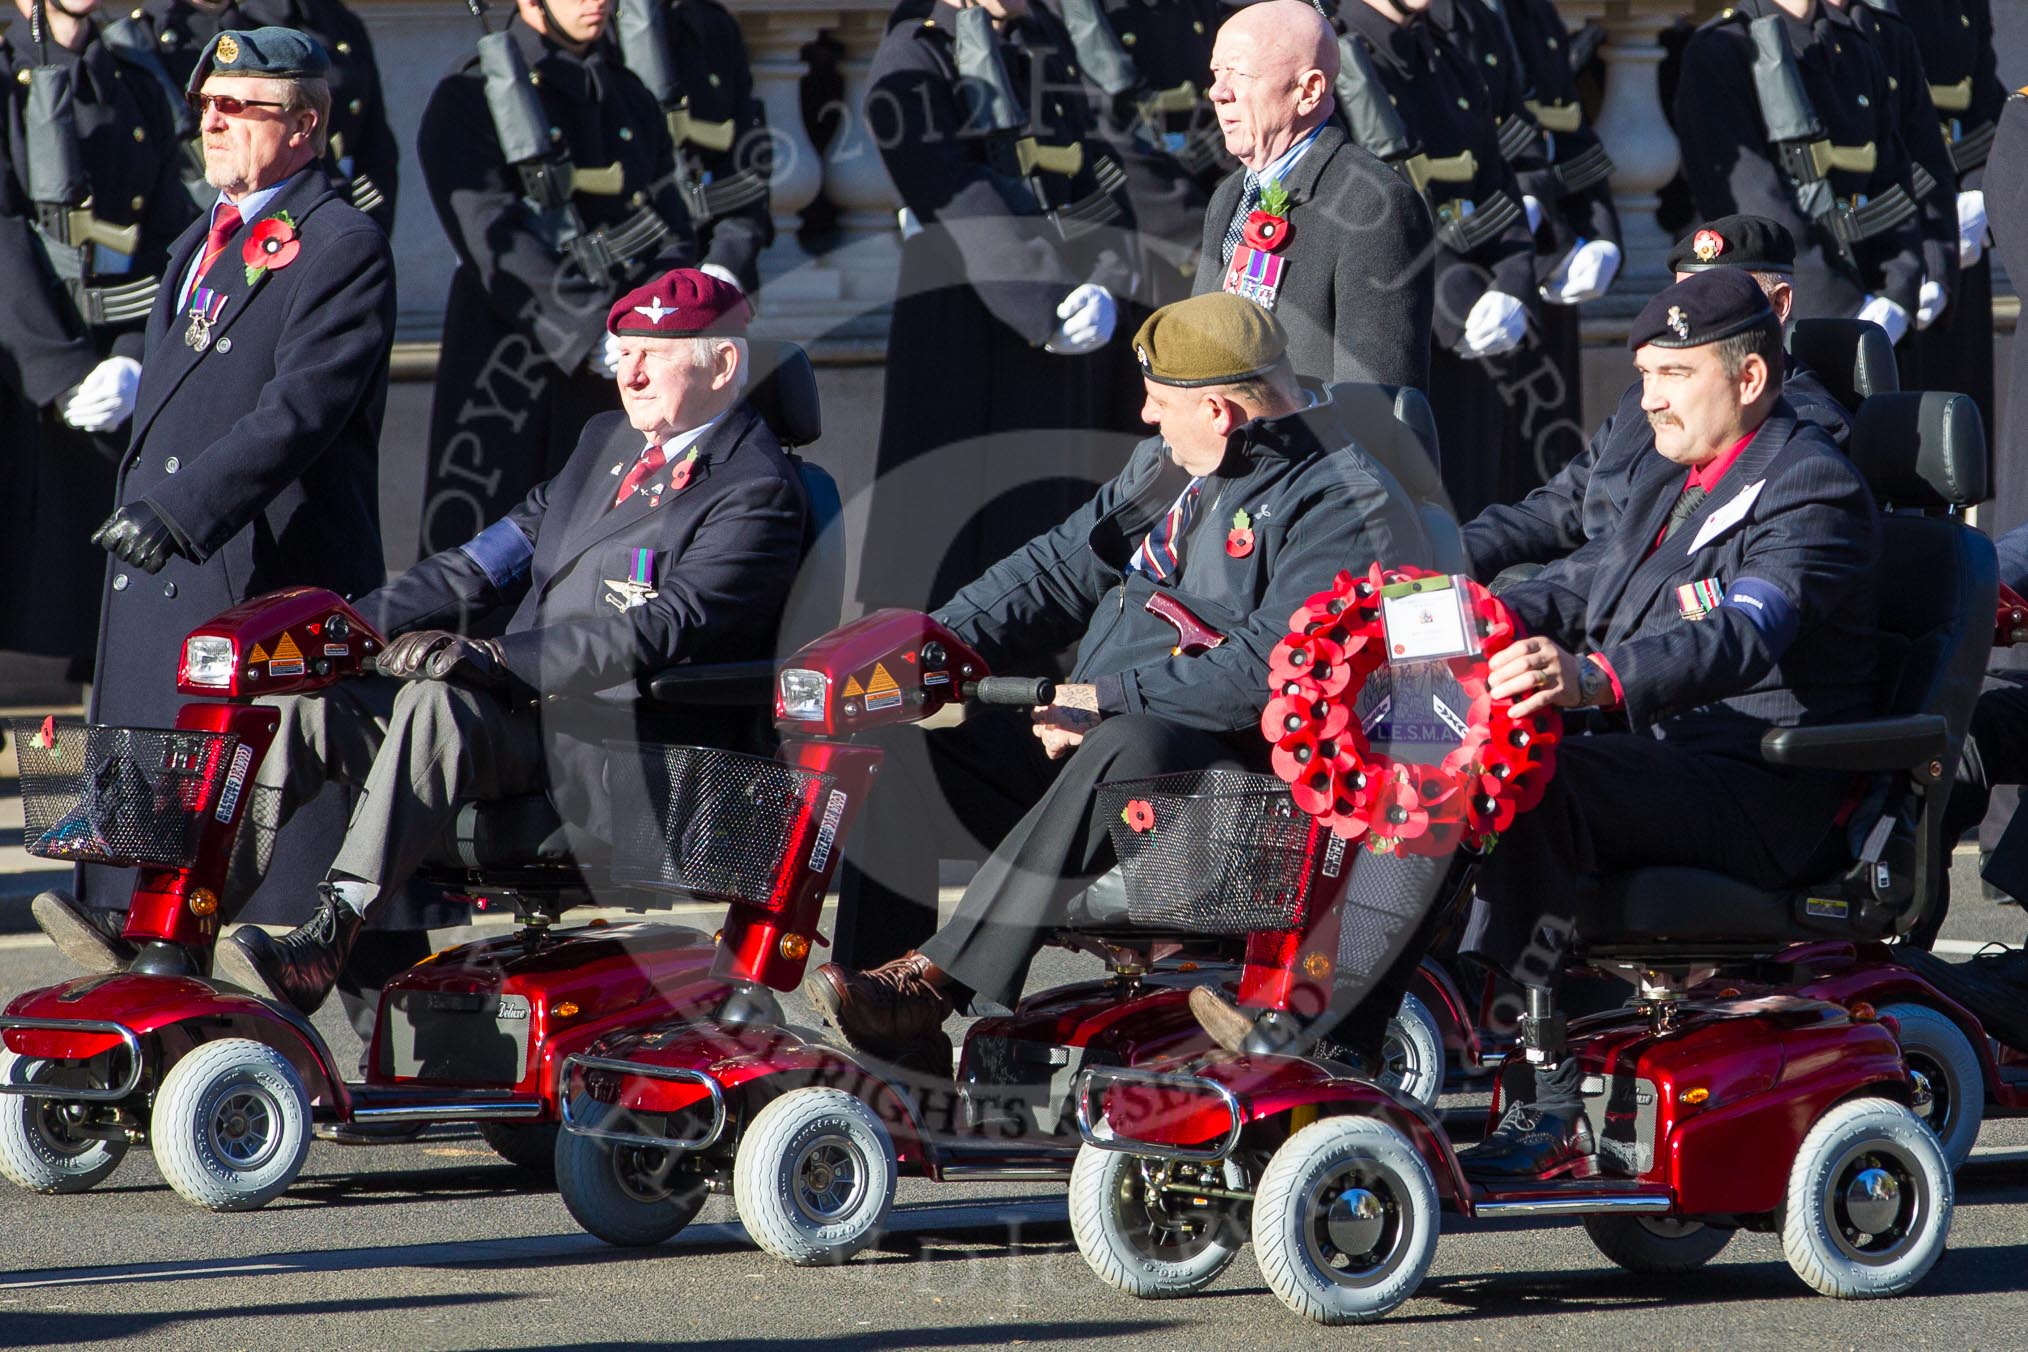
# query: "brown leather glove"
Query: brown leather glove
439,655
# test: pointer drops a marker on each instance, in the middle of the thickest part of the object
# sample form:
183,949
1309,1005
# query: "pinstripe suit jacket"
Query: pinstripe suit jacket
1788,538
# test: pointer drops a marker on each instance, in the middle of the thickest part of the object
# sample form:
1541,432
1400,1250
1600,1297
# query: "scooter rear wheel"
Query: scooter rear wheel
38,1149
231,1125
525,1145
1869,1201
627,1195
1145,1241
1345,1220
1937,1049
814,1176
1412,1058
1656,1246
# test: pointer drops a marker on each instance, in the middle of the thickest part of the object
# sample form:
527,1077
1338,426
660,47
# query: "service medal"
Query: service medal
205,305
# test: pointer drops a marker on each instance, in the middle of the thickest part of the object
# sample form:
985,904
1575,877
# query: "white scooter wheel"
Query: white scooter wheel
1145,1241
628,1195
1869,1201
814,1176
1937,1049
1412,1058
231,1125
38,1149
1345,1220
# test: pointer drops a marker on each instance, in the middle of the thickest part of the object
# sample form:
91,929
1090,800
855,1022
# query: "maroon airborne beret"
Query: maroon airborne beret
685,303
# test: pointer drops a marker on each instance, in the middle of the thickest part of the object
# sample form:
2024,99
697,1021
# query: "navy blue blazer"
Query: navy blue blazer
1584,498
596,598
262,451
1788,539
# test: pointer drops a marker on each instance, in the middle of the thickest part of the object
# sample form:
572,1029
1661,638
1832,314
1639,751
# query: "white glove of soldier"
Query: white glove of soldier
1929,303
1887,315
1496,324
606,361
1971,227
1533,206
1586,273
104,398
1088,316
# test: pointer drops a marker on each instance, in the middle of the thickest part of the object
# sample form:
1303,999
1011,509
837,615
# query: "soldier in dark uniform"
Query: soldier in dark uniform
544,244
84,243
1016,245
1564,185
1838,176
1485,261
255,452
362,155
705,84
1956,41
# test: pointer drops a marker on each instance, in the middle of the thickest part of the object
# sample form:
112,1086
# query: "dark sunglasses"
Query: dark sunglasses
227,105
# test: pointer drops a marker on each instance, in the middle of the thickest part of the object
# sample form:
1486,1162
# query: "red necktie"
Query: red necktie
651,460
223,223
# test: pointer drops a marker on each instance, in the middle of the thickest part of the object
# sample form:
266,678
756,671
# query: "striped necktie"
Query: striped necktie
1161,553
1249,198
223,222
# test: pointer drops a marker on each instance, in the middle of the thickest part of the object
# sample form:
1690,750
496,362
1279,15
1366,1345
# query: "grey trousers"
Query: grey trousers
408,751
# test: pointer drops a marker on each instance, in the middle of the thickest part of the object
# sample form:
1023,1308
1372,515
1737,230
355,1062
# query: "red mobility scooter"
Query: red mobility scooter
1713,1109
227,1087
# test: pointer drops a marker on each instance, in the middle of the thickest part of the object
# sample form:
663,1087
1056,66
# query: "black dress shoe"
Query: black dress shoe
1530,1142
89,937
300,967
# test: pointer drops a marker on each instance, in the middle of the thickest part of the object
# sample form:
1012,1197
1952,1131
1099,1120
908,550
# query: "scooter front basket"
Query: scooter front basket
1213,851
109,795
711,824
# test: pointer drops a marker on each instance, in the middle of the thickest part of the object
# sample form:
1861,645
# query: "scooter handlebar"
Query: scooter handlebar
1015,690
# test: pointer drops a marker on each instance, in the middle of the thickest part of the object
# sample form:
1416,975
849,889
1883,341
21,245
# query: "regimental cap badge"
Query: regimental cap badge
1679,323
1708,245
656,311
1141,356
228,50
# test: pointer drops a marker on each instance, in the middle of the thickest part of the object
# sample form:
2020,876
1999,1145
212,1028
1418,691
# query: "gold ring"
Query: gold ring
1541,680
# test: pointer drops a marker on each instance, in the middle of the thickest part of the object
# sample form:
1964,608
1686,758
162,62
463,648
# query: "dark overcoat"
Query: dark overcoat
720,552
261,451
513,389
983,435
714,74
56,483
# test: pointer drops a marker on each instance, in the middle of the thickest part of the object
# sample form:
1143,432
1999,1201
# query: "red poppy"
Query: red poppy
1139,815
1239,543
679,478
271,244
1707,245
1265,231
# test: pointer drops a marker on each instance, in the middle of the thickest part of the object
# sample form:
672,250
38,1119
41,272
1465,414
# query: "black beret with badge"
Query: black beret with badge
272,53
1704,307
1214,339
1753,243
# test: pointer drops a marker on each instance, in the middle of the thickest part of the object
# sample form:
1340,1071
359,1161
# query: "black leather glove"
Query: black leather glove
440,655
137,534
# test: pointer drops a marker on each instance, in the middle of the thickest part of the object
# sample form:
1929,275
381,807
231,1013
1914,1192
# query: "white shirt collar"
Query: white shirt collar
1279,170
676,445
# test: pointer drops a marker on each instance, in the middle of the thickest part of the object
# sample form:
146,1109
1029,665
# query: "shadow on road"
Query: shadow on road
995,1335
65,1329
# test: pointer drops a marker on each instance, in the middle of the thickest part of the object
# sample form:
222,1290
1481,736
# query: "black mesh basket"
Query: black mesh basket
105,795
715,825
1212,851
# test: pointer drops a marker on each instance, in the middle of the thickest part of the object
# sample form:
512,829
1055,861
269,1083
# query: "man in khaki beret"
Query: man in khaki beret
1249,499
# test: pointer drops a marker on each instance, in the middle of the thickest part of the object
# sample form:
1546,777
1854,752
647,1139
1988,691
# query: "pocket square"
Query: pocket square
1728,516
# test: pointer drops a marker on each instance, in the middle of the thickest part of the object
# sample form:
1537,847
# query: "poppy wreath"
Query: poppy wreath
1335,642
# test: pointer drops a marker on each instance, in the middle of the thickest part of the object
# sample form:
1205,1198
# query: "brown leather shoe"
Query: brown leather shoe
1226,1022
894,1011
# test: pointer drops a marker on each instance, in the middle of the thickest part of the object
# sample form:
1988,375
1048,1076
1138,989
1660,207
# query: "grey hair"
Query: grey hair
704,351
313,93
1762,339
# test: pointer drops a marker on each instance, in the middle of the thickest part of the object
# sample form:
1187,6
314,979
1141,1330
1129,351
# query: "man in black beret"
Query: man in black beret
255,452
1586,496
1732,595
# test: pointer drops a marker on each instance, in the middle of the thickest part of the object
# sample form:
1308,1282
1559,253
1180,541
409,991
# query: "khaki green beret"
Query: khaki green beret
1214,339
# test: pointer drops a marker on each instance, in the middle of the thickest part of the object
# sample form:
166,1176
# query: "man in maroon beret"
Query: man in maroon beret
671,535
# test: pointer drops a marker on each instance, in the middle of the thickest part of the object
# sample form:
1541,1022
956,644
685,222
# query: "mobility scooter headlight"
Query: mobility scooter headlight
803,695
208,660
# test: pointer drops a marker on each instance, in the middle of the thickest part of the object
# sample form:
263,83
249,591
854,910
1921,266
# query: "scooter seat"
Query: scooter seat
1687,911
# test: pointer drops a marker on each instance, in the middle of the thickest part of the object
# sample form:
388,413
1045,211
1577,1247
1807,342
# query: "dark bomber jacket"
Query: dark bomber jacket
1317,504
